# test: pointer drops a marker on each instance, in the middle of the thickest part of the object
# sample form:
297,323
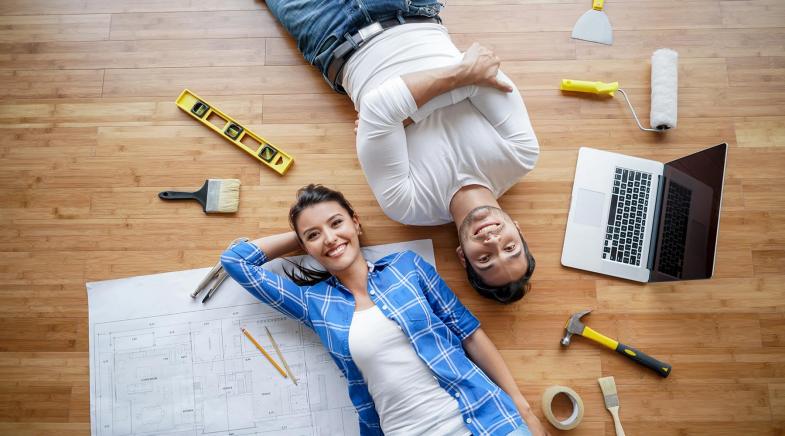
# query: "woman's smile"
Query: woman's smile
337,251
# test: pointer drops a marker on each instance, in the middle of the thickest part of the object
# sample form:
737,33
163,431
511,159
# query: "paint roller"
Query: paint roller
664,90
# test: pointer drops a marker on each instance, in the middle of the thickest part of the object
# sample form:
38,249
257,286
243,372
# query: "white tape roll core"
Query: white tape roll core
577,407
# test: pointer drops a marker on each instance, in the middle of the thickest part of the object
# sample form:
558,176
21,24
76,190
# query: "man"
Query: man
440,135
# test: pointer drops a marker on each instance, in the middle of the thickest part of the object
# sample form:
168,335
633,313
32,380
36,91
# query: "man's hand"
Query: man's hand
480,66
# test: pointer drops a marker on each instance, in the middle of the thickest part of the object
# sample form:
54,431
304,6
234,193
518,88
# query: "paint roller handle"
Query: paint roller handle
599,88
597,5
661,368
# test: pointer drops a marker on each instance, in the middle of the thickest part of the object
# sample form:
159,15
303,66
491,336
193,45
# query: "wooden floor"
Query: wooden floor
89,134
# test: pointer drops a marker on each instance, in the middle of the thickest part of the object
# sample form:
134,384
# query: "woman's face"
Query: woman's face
329,235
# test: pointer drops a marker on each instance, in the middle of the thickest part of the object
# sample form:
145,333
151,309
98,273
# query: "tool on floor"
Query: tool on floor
608,386
577,407
594,26
216,276
234,132
280,355
264,352
664,90
216,195
574,326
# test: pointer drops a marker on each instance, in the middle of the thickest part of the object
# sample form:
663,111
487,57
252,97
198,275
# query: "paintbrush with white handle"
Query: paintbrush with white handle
608,386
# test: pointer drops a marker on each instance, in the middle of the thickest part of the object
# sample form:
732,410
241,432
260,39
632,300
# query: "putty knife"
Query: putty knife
594,25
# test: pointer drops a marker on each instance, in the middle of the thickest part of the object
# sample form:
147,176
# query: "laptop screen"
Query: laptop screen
689,217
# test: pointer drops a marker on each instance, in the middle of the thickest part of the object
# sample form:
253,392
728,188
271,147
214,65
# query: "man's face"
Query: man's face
492,243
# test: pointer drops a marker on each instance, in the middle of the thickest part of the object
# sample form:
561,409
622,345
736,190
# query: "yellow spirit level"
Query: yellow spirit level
234,132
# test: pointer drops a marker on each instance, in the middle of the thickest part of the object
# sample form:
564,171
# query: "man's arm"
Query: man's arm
478,67
484,354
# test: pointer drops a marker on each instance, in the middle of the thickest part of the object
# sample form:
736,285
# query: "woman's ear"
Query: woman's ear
357,224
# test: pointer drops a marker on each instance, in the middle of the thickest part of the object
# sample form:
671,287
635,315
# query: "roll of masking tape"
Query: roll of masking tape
577,407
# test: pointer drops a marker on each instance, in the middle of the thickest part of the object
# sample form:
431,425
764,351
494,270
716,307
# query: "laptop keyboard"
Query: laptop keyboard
627,217
674,230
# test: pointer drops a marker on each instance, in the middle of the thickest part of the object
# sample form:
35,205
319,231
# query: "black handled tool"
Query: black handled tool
576,327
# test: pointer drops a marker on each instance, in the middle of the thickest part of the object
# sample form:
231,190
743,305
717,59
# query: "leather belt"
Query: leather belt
355,41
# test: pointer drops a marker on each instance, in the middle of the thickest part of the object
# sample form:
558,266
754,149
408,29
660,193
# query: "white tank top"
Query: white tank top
408,398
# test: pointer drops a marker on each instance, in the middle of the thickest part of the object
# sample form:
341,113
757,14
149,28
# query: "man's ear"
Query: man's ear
461,256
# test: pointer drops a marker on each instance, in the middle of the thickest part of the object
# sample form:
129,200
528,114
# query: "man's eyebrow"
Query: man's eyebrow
314,228
487,267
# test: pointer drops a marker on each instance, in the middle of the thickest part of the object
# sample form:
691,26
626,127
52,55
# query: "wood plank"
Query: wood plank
38,28
132,54
762,194
305,108
753,13
282,51
51,83
126,111
777,399
726,295
46,429
562,17
67,7
773,330
689,43
522,46
192,25
156,82
760,132
766,71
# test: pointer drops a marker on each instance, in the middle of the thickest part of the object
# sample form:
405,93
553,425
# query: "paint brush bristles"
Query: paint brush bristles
223,195
608,386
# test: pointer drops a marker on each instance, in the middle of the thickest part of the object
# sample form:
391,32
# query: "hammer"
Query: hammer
574,326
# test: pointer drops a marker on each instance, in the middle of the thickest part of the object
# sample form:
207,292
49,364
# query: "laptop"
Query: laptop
642,220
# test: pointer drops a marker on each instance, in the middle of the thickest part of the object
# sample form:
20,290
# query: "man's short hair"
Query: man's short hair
507,293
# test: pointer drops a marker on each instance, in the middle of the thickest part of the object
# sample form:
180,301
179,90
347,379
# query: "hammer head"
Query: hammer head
574,326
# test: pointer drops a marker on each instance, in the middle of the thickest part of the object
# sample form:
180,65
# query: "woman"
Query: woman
414,357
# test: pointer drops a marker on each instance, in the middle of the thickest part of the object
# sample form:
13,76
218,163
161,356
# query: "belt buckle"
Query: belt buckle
370,31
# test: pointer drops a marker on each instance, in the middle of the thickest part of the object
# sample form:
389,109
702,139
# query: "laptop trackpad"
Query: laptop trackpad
588,208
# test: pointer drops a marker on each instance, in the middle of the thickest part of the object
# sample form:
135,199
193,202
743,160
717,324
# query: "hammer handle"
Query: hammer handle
661,368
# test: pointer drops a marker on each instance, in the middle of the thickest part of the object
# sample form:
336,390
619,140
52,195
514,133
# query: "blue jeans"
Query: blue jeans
319,26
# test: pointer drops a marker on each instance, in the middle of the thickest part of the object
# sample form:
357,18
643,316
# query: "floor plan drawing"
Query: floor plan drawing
163,363
175,375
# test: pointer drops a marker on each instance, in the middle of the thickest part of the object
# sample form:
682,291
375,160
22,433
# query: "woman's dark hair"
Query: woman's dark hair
309,196
510,292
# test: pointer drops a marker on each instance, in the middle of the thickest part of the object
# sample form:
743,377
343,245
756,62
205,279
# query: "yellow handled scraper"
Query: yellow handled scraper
576,327
594,26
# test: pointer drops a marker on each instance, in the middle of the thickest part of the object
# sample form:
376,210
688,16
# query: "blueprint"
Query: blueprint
162,363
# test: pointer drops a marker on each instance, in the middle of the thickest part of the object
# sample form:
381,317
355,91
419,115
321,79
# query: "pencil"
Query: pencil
248,335
280,356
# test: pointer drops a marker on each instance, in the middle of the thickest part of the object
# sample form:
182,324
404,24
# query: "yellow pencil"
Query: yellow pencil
280,356
248,335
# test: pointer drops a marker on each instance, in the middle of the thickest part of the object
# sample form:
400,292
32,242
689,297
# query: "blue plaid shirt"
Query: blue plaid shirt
409,291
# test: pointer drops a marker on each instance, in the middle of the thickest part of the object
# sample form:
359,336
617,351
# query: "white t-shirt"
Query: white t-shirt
469,136
408,399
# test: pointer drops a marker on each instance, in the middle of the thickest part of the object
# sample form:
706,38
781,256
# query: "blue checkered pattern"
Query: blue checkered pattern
409,291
